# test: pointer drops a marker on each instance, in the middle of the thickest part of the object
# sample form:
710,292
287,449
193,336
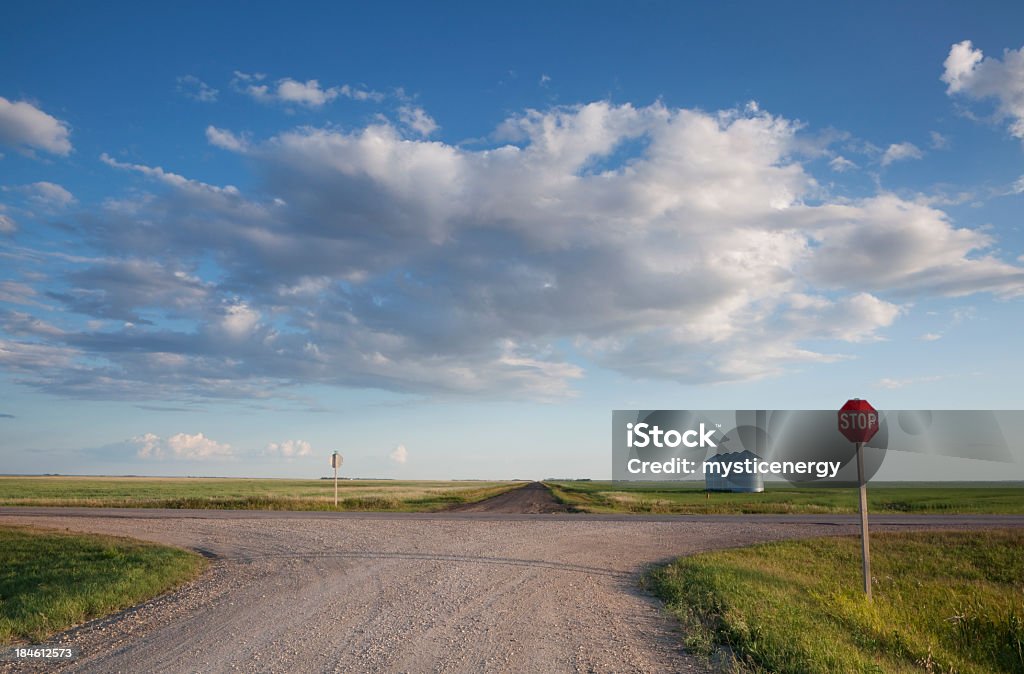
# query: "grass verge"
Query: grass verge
944,602
51,580
690,498
244,494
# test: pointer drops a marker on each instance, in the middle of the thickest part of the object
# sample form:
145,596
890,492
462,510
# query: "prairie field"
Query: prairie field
245,494
782,498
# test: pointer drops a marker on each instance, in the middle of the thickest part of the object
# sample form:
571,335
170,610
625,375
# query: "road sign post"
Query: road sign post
336,463
864,544
858,422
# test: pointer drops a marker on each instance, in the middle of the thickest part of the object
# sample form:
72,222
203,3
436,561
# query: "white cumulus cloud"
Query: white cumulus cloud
51,195
399,455
239,319
417,119
192,87
305,93
226,140
841,164
290,448
938,140
23,125
290,91
181,446
967,71
900,152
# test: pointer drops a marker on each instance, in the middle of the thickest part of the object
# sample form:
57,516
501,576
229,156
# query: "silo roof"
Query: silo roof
734,457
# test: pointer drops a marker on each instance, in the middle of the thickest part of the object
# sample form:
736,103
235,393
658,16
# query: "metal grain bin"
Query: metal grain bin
736,482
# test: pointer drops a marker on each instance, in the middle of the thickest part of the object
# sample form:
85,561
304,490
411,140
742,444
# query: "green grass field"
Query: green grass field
50,580
690,498
943,602
246,494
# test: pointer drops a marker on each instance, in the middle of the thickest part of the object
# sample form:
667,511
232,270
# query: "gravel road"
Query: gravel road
533,498
448,592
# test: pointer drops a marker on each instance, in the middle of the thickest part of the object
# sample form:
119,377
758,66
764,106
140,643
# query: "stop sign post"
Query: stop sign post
858,422
336,460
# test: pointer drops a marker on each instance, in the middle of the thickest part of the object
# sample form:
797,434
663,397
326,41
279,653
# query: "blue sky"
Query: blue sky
449,240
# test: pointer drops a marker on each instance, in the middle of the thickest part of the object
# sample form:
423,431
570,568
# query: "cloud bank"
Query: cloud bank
653,241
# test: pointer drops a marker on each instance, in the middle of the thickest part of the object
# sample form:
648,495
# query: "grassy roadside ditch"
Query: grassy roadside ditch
245,494
50,580
690,498
944,602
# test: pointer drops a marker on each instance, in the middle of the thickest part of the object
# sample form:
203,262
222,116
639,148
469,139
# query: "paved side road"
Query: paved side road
304,592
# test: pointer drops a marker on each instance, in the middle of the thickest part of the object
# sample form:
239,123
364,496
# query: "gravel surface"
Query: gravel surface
532,498
452,592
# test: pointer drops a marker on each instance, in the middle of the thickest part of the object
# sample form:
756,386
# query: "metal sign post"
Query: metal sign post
336,463
858,422
864,546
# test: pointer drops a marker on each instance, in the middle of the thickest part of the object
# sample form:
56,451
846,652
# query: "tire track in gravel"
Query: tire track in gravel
408,593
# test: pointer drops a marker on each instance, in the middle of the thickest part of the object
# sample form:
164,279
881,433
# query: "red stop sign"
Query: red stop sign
858,420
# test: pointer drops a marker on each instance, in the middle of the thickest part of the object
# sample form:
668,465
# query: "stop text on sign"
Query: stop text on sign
857,421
